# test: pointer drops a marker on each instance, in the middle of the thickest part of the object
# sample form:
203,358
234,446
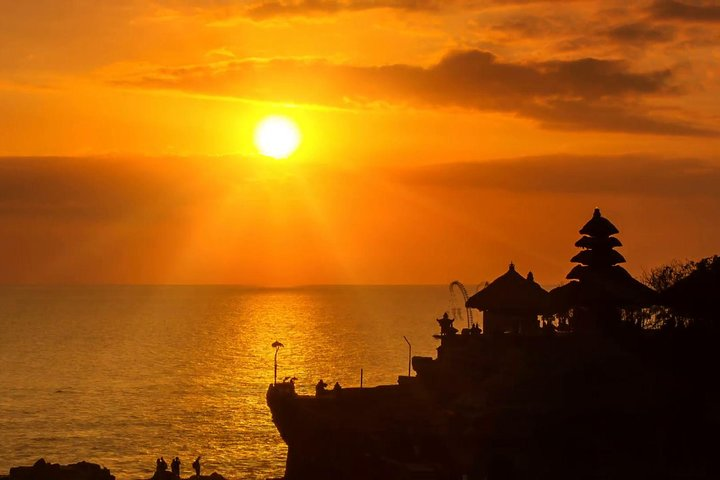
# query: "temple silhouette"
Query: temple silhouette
556,385
598,290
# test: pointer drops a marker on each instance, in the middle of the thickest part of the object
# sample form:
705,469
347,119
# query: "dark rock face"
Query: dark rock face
557,407
54,471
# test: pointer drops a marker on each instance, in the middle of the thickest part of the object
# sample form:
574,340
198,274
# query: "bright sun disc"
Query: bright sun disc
277,137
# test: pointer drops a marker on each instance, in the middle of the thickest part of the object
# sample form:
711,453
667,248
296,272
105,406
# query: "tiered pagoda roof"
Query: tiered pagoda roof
598,247
598,279
599,226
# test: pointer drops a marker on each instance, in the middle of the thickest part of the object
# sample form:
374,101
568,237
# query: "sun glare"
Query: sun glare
277,137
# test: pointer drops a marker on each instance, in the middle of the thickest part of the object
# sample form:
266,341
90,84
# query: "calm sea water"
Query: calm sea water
121,375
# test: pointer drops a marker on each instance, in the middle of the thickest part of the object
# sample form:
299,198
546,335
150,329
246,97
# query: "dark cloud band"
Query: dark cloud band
582,94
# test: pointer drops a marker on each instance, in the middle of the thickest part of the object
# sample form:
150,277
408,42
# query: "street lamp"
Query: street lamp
276,345
409,353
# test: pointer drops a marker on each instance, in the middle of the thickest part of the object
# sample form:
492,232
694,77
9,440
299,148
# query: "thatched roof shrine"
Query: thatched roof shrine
510,292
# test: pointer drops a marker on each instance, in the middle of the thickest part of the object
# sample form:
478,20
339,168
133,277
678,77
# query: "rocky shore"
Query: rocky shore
43,470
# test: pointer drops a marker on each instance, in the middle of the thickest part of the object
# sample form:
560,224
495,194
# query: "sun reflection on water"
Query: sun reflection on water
122,375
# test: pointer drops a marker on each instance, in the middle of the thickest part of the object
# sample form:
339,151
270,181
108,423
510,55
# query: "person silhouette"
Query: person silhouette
175,467
320,387
163,464
196,466
337,387
157,465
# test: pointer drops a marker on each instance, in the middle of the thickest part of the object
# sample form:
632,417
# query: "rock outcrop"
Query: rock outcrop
43,470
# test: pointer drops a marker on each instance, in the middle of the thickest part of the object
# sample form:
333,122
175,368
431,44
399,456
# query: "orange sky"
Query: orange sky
441,138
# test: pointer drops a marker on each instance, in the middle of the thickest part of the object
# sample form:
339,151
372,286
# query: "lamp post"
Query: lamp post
409,353
276,345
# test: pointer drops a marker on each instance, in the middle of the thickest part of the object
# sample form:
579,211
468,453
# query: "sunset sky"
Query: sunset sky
441,139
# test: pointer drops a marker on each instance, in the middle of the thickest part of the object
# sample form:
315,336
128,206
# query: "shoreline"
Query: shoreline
44,470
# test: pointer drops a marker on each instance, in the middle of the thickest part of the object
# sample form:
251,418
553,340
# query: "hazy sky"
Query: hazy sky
442,139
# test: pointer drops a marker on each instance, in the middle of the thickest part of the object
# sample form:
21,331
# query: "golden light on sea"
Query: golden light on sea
277,137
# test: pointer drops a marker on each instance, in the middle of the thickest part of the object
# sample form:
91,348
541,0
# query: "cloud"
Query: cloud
641,33
194,220
100,189
587,78
150,189
636,175
277,8
261,10
704,12
581,94
567,32
529,26
577,115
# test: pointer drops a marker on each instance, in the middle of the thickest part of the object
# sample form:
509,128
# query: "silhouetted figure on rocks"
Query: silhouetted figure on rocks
175,467
163,464
320,388
337,387
289,382
196,466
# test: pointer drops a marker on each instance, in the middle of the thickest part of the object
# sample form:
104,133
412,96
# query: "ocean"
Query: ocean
121,375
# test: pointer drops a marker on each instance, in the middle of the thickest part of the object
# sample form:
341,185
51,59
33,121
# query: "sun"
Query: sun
277,137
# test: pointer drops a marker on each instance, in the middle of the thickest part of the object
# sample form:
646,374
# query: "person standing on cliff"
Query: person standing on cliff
196,466
320,388
175,467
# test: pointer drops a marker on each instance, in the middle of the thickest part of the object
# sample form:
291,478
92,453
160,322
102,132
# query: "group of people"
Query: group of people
161,466
321,386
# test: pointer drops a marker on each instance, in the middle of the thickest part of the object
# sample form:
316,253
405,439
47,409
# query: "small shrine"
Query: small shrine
510,304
